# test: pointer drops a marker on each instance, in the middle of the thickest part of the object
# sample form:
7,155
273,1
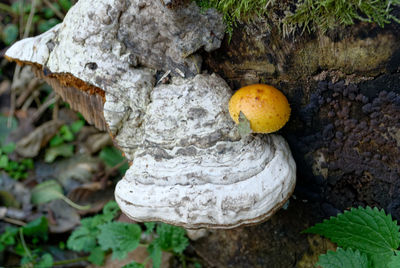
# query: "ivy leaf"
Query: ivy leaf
343,258
133,265
171,238
394,261
96,256
120,237
244,125
369,230
155,253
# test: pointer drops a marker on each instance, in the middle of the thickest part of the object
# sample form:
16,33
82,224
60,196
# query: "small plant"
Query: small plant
97,236
366,238
16,169
100,234
60,144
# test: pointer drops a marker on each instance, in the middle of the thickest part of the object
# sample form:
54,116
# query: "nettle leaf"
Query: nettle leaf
244,127
120,237
110,210
133,265
369,230
82,239
394,261
171,238
45,261
343,258
149,227
155,253
96,256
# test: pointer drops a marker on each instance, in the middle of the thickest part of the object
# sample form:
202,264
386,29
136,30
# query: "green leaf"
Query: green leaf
155,253
133,265
244,125
3,161
171,238
65,4
56,140
66,133
82,239
394,261
369,230
65,150
343,258
45,261
37,228
10,34
112,156
51,190
8,237
8,148
110,211
149,227
46,192
77,126
46,25
120,237
96,256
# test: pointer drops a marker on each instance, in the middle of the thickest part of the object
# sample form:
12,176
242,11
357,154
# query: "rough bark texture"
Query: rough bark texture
344,132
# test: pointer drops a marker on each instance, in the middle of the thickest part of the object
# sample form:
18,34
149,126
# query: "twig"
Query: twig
6,8
51,100
55,10
30,18
65,262
14,221
29,101
56,109
25,94
21,236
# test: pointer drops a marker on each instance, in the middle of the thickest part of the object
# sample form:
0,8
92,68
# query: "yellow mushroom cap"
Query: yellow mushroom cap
264,106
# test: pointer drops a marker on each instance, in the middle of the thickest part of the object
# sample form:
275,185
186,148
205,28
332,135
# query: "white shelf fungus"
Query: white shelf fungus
189,165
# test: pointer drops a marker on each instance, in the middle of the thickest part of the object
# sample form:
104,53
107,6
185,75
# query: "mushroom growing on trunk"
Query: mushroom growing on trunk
189,165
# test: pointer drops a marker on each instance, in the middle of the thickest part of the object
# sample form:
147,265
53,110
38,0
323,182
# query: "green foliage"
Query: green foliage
120,237
171,238
17,170
133,265
51,190
100,234
236,10
343,258
394,261
37,228
112,157
312,15
60,143
367,230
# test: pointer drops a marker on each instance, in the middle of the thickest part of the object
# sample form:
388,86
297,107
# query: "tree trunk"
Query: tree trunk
344,133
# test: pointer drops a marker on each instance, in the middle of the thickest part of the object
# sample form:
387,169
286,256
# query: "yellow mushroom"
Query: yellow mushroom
264,106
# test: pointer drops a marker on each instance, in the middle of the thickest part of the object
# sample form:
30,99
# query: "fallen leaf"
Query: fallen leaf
30,146
66,218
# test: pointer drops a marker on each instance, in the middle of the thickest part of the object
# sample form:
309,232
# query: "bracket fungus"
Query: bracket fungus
189,165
